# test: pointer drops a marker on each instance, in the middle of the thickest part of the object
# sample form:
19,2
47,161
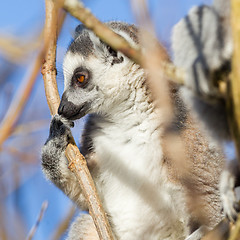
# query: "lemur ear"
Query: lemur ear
78,30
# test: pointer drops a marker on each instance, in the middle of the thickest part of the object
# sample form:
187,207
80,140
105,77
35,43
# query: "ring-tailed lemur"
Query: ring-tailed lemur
143,192
202,46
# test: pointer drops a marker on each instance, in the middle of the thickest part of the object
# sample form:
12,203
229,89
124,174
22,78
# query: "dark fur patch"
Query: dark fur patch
180,111
71,111
82,43
87,143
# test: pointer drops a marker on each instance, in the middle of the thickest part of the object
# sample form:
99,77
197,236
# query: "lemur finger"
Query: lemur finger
228,196
56,128
67,122
59,132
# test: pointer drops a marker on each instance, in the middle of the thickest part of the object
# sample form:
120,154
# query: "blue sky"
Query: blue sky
24,19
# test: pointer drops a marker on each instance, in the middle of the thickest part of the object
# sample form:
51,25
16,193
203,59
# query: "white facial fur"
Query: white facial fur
109,84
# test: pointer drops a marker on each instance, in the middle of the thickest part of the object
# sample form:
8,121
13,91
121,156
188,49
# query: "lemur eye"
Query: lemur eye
111,51
81,77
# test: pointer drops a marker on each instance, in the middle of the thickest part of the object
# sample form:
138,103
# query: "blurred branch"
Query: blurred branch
19,102
22,156
77,162
31,127
63,226
224,231
16,50
219,232
22,96
34,228
235,231
3,231
233,106
155,56
77,9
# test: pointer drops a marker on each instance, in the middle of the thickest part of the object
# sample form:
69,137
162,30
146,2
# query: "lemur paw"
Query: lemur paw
60,130
229,202
53,152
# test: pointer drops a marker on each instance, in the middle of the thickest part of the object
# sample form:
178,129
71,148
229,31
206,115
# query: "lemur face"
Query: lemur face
95,76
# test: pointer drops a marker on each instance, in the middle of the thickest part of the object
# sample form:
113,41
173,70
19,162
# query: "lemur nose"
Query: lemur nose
67,109
60,108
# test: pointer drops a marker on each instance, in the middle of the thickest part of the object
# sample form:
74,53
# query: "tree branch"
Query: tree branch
19,101
233,103
77,162
34,228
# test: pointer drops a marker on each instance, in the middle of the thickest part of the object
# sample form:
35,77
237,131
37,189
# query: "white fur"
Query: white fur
153,207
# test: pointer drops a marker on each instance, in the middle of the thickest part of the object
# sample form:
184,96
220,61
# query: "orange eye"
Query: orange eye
81,78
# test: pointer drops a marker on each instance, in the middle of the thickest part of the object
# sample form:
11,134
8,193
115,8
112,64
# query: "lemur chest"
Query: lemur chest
132,182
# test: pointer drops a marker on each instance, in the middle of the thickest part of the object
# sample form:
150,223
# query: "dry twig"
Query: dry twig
234,88
41,214
15,50
77,162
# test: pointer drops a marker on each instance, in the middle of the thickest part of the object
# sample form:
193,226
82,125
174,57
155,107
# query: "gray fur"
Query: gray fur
79,45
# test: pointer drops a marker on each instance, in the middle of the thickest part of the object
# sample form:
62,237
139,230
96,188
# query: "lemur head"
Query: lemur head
96,77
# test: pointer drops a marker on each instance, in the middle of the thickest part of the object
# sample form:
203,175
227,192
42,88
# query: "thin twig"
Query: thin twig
41,214
77,162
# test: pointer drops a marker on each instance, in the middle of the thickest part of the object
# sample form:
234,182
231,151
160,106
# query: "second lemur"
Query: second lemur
202,46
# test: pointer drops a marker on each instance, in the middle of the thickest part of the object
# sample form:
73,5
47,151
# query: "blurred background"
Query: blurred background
23,188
